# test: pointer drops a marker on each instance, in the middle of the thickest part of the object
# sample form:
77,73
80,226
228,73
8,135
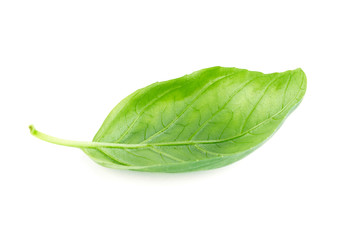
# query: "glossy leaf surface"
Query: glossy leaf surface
204,120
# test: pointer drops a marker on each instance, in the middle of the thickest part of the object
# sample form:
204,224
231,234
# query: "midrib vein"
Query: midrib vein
82,144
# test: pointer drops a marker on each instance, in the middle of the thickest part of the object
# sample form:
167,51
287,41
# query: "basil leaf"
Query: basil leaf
204,120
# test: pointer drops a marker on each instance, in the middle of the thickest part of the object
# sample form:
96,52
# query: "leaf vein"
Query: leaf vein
257,103
221,108
167,154
112,158
203,90
143,110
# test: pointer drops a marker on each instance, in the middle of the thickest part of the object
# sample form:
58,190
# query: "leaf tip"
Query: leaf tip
299,70
302,74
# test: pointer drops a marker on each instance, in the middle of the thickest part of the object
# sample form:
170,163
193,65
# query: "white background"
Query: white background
65,64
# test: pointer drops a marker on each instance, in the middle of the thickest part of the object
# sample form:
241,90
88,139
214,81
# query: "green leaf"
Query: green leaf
204,120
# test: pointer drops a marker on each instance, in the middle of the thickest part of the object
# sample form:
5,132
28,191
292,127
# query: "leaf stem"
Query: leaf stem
80,144
59,141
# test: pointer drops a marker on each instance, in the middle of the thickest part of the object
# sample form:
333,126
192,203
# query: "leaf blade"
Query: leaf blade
238,140
208,119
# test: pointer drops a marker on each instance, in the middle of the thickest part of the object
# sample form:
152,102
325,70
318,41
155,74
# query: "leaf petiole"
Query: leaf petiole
79,144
